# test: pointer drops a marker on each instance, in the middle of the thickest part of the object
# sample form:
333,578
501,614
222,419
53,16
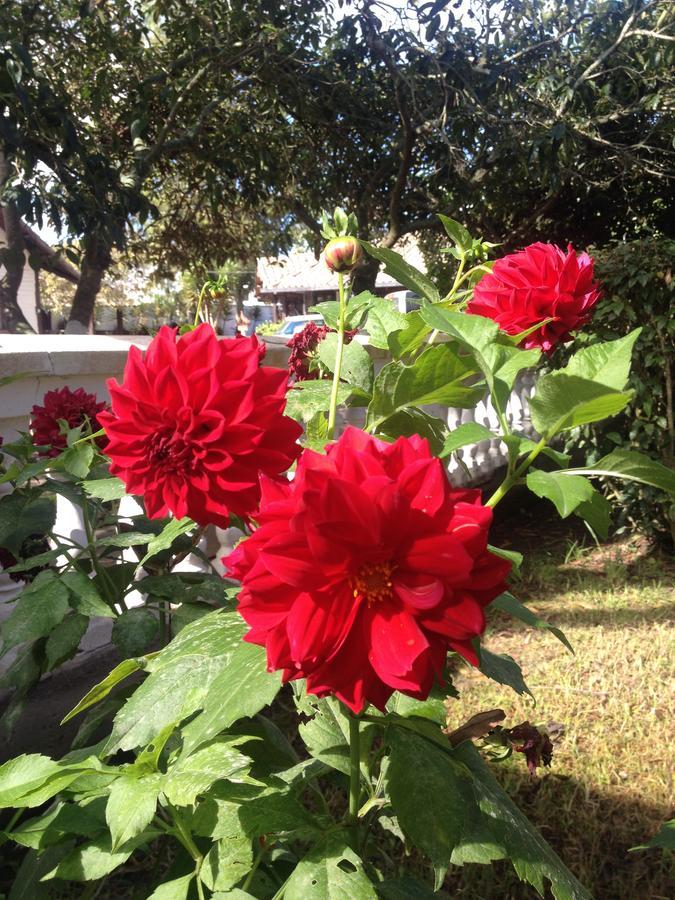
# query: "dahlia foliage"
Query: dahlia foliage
360,574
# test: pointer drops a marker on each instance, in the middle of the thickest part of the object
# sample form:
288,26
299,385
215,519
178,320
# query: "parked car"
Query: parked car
293,324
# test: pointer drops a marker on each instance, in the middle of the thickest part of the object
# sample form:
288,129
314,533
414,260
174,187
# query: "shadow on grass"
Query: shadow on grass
591,830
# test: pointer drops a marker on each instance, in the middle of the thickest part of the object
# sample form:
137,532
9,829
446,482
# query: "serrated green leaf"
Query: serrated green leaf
77,460
564,401
84,597
162,541
467,433
105,488
193,773
134,630
131,807
507,603
277,813
103,688
64,640
206,667
38,610
176,889
403,272
597,513
503,832
23,514
407,422
383,320
89,862
306,398
607,363
326,735
456,232
502,668
632,466
61,821
564,491
227,861
429,792
438,376
357,366
330,871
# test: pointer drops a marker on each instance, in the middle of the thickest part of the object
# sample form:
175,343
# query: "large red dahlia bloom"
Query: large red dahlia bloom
75,407
366,569
537,283
195,422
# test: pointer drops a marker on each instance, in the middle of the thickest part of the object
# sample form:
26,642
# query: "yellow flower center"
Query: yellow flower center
373,582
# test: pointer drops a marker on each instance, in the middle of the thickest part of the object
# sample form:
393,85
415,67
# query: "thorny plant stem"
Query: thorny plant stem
332,409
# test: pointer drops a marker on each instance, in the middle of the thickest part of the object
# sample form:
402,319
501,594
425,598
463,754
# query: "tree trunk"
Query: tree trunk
13,259
363,278
97,259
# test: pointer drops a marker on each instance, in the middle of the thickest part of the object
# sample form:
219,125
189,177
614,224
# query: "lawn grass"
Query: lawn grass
610,783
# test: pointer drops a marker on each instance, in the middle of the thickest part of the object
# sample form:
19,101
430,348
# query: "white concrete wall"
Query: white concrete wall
27,296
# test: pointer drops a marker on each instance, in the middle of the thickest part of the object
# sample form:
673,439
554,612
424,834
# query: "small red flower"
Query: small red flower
537,283
195,422
366,570
75,407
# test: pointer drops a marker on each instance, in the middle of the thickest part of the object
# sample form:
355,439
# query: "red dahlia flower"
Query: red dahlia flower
195,422
537,283
303,347
366,569
76,407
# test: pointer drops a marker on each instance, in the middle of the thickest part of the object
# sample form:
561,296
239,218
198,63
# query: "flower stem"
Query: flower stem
332,409
510,480
354,779
199,303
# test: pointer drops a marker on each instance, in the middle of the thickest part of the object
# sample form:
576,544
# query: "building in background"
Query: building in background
29,289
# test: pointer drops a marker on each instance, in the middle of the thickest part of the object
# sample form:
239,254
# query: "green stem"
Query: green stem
164,620
514,477
354,780
199,303
89,437
332,409
107,585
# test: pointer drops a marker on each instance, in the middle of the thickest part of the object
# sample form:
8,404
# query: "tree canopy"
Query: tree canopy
196,132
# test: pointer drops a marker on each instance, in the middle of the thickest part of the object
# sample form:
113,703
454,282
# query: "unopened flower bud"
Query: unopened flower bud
342,253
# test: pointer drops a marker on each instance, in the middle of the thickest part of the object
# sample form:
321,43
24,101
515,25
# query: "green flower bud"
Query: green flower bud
342,254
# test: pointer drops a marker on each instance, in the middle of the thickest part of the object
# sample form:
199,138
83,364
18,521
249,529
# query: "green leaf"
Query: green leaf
410,336
23,514
105,488
84,597
438,375
564,491
64,640
126,539
383,320
507,603
597,513
502,668
77,460
162,541
456,232
407,422
61,821
316,432
503,832
134,630
632,466
194,773
176,889
39,609
103,688
357,366
330,871
306,398
89,862
131,807
513,556
326,735
30,780
206,667
606,363
468,433
403,272
279,814
664,838
429,792
227,861
564,401
475,332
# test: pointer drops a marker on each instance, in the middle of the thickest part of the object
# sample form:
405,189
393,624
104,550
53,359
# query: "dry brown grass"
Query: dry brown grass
610,785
